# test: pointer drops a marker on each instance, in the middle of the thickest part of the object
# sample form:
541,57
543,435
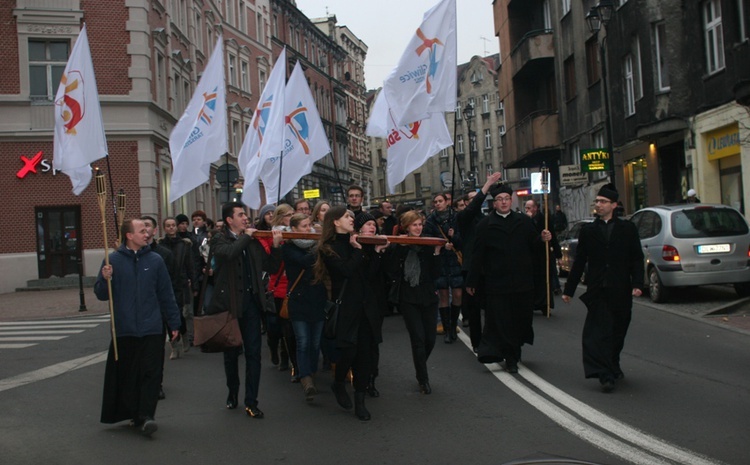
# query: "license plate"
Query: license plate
714,248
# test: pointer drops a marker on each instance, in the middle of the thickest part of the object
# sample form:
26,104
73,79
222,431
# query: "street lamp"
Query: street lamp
469,115
598,16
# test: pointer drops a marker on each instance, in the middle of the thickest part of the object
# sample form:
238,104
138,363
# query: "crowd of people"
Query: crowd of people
489,272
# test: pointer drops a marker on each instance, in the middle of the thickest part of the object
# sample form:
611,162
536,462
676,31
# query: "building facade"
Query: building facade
148,56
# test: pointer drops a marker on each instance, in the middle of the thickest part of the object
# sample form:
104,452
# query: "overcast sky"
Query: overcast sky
386,26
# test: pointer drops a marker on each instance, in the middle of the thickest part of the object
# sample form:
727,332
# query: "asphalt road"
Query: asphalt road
685,400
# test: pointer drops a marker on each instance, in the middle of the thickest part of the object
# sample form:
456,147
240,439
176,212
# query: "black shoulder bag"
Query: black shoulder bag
332,314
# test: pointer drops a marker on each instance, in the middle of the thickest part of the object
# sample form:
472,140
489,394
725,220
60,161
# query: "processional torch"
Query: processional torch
545,191
101,192
120,215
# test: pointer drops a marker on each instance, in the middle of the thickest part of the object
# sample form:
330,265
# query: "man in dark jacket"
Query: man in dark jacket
504,264
184,273
142,300
238,288
613,252
542,285
467,221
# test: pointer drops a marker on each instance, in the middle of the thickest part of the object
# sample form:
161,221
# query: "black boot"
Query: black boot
371,389
455,312
342,397
284,363
359,406
445,318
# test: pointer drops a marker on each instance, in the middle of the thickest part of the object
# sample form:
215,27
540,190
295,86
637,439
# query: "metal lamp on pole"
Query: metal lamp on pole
598,16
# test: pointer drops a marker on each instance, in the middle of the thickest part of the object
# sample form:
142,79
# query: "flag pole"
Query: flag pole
545,188
101,192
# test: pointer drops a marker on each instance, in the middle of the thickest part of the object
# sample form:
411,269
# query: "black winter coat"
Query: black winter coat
614,264
505,257
356,267
181,271
307,301
425,292
228,284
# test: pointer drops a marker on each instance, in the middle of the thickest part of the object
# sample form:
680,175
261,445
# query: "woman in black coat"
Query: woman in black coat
306,302
415,269
347,266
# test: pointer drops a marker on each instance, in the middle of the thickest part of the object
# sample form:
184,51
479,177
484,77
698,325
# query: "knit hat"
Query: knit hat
182,218
609,191
265,209
498,189
361,219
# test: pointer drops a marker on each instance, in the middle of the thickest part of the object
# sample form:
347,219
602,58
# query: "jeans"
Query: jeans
251,340
308,346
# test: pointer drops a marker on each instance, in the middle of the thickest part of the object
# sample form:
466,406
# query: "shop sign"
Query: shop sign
723,142
311,193
594,160
536,184
571,175
30,165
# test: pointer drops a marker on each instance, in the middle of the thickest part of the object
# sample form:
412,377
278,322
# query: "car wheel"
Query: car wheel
742,289
656,289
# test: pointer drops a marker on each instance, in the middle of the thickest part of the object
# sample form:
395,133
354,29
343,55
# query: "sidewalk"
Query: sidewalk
59,303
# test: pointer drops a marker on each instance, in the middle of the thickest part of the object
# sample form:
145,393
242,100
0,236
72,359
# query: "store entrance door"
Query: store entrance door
58,238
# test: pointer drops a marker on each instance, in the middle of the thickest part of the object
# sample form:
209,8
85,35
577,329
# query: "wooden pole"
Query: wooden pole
545,190
101,192
375,240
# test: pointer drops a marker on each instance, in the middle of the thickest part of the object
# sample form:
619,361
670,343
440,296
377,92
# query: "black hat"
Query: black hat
182,218
361,219
500,189
609,191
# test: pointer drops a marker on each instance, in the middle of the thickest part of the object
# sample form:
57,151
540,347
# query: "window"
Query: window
232,70
245,76
598,139
473,142
459,110
575,154
501,112
236,136
259,28
592,61
628,78
261,80
713,36
570,78
161,80
501,130
565,6
487,139
275,25
305,49
177,97
485,103
241,17
476,77
230,12
524,173
660,46
47,60
473,106
741,21
547,15
460,143
637,69
417,184
198,28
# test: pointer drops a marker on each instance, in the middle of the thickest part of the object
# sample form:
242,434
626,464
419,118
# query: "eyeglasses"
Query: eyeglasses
602,201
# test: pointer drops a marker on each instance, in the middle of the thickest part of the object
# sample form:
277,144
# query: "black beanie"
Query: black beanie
182,218
361,219
609,191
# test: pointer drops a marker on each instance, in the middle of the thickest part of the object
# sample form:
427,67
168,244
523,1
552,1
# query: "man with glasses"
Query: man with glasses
612,249
354,197
503,266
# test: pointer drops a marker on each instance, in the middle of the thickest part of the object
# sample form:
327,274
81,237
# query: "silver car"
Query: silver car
693,245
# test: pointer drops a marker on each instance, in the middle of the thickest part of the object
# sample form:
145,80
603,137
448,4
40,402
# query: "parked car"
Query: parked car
693,245
568,243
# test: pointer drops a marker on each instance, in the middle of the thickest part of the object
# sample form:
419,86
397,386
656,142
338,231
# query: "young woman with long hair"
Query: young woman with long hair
318,213
345,264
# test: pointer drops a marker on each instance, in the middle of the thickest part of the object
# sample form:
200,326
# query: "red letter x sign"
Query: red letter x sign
29,165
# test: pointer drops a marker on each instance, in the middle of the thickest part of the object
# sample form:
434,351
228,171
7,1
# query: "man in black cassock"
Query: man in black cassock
612,249
504,264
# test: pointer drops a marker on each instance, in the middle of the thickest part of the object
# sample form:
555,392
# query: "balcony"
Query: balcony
536,48
535,138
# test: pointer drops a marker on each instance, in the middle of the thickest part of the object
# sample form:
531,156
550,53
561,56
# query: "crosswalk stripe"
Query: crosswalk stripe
24,333
15,346
19,328
54,322
30,338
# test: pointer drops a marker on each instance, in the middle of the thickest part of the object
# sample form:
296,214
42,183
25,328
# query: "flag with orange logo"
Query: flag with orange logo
305,139
263,140
200,136
79,131
409,145
424,81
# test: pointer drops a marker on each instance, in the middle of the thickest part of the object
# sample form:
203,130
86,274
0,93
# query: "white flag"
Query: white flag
305,140
79,131
424,81
264,138
379,123
411,145
200,136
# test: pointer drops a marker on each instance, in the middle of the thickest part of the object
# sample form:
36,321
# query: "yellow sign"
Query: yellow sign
594,160
723,142
311,194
